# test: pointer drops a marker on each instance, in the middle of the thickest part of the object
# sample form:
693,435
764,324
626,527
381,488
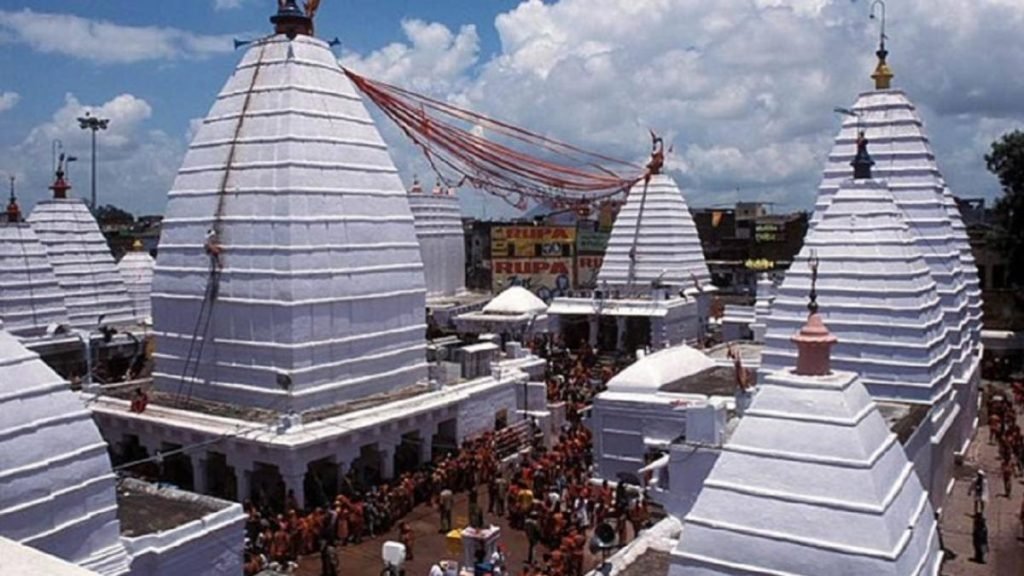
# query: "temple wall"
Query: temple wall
209,546
625,426
477,413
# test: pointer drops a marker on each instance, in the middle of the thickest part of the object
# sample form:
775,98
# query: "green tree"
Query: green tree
1006,161
109,214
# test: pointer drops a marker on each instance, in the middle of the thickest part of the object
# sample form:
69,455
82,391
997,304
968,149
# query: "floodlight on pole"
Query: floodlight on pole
851,114
67,166
94,124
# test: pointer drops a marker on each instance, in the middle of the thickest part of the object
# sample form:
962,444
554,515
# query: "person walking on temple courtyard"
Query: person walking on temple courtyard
1007,478
405,536
328,559
492,494
979,489
993,428
979,536
532,529
445,501
501,485
1021,516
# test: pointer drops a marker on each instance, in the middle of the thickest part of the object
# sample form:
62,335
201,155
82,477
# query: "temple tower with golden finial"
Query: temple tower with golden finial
905,161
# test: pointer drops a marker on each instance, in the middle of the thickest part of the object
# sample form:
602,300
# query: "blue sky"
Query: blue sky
743,89
183,88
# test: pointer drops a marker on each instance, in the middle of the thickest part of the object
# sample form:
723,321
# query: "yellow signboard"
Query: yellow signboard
532,241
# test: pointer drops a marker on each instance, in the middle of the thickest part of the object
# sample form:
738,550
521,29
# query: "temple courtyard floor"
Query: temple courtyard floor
1006,554
430,545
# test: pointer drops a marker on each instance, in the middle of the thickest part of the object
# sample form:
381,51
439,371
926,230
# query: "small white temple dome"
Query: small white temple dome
58,487
650,373
514,301
136,267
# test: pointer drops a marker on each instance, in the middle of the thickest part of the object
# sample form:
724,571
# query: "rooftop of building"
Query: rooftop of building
145,508
21,560
750,352
712,381
253,414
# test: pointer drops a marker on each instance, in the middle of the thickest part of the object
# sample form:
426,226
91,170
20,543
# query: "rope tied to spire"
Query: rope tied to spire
467,148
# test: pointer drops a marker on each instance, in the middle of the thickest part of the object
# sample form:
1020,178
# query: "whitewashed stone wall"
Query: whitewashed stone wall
442,241
30,297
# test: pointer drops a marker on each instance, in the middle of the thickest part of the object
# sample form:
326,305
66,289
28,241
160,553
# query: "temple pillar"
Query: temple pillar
199,473
620,339
295,481
243,484
595,326
243,467
386,452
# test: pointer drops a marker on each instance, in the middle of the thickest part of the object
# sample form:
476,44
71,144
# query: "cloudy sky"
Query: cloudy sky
743,89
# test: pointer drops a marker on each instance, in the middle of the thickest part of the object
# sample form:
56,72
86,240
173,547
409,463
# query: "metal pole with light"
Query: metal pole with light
95,124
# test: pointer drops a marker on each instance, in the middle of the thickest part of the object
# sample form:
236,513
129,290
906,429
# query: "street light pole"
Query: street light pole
95,124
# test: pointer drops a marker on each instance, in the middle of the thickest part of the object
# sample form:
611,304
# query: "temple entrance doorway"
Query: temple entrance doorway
220,478
177,467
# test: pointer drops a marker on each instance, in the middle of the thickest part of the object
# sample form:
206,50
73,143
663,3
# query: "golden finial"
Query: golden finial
883,74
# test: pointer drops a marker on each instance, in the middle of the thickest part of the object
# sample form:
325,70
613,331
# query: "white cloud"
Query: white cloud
8,100
135,165
103,41
744,88
227,4
434,60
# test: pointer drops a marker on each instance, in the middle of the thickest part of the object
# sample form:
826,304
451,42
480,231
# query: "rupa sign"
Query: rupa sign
546,277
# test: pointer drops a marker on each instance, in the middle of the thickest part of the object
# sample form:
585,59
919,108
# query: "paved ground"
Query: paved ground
429,546
1006,556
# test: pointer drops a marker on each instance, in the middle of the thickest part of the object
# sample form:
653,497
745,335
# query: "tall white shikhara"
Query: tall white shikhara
317,295
660,234
442,239
81,259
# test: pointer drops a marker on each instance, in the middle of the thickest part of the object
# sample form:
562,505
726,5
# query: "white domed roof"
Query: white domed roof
58,487
30,298
667,245
82,262
514,301
136,267
653,371
321,293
